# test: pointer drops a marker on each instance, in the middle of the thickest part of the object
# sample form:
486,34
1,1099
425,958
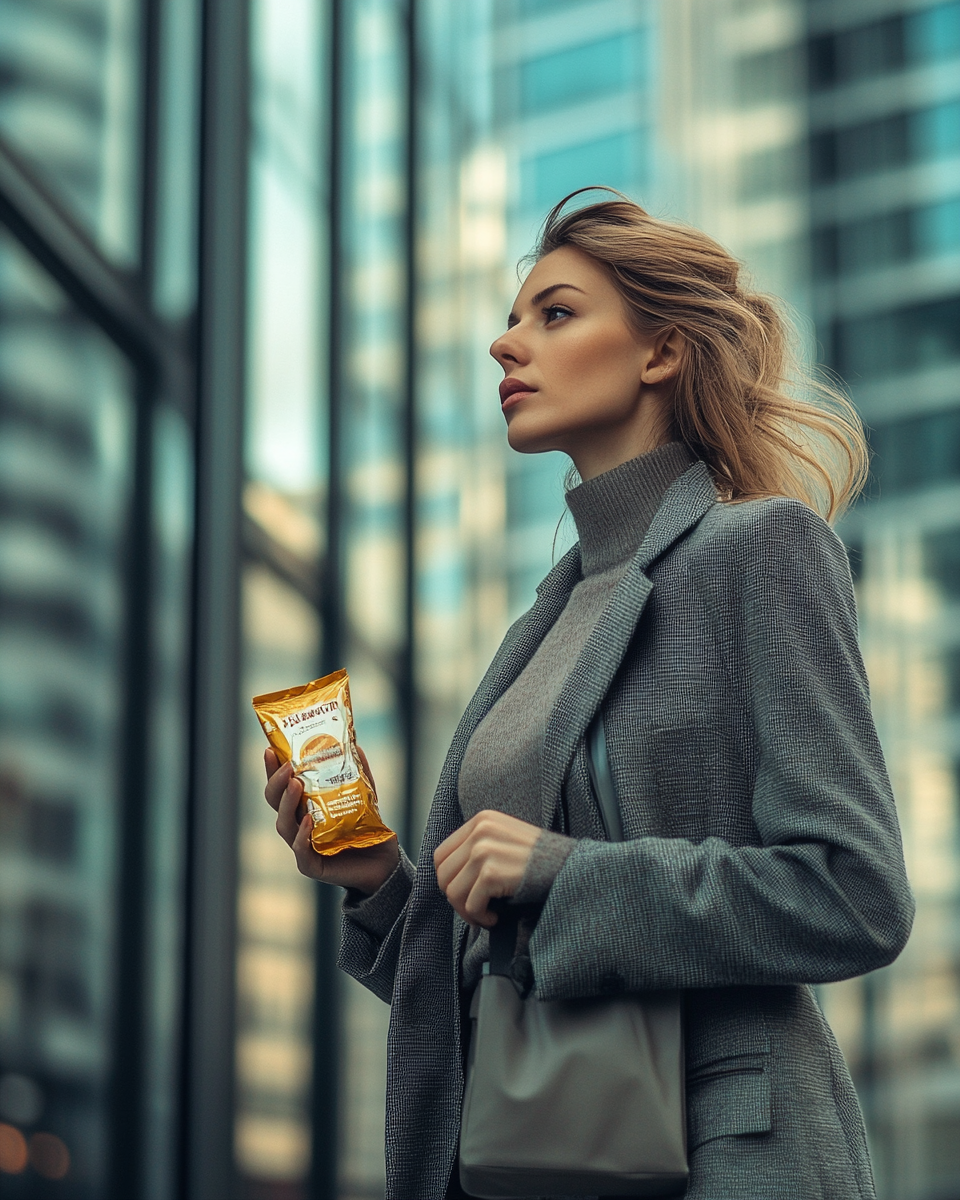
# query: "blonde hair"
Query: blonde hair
744,400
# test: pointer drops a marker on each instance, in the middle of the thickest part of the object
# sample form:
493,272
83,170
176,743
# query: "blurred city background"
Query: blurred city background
252,254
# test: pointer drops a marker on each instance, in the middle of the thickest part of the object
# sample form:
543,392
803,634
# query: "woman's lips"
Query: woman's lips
512,391
515,398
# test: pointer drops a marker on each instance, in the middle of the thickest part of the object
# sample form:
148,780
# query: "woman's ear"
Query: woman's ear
664,358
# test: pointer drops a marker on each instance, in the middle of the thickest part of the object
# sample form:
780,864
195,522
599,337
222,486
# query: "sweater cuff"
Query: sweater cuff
549,853
378,913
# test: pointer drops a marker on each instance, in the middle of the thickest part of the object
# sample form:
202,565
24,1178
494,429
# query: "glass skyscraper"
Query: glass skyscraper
884,169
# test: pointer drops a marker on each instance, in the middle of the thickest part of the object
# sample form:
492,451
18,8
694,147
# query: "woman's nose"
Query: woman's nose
507,349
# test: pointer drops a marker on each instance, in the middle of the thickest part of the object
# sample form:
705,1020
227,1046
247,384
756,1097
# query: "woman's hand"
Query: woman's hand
364,869
484,860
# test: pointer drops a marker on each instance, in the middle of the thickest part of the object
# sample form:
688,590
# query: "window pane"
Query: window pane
615,161
770,172
567,76
933,33
917,452
935,132
275,917
64,456
941,556
924,335
773,75
283,459
69,101
936,227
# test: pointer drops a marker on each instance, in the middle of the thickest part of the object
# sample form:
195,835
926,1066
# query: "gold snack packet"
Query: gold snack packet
313,726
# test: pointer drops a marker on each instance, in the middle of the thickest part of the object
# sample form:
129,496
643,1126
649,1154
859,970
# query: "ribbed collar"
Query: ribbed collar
613,511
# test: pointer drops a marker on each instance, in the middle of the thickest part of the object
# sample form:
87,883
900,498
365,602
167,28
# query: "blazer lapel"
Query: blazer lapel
686,500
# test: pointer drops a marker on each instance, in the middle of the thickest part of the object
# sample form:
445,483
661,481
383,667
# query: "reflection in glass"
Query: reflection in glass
166,830
64,450
281,629
70,102
917,452
922,335
580,72
275,918
900,1027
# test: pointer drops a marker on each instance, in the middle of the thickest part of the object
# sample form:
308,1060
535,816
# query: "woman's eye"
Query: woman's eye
555,311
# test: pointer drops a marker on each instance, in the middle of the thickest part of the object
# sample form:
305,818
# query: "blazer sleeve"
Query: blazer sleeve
825,895
372,929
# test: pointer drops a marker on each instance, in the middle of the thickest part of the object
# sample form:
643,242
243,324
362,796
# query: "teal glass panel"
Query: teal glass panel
178,128
933,33
581,72
858,53
941,555
888,238
887,143
65,438
770,76
923,335
769,173
165,820
936,227
935,132
533,8
616,161
916,453
70,85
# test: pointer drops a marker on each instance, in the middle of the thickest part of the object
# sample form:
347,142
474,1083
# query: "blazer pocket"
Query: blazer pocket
688,772
728,1097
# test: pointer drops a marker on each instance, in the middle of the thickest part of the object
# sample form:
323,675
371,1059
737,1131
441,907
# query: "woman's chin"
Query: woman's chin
525,438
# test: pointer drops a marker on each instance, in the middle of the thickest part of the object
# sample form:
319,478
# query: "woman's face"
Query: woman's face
578,376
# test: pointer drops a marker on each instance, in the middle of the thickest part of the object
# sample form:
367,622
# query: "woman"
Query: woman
709,610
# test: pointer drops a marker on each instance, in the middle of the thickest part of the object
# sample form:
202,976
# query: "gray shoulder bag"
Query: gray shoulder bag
572,1096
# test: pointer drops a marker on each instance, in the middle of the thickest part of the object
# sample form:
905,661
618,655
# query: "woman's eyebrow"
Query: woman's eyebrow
512,319
554,287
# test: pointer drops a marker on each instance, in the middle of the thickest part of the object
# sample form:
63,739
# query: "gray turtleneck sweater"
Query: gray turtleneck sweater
501,768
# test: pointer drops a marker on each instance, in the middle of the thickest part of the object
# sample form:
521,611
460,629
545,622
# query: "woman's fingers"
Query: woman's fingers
484,860
454,841
476,906
450,867
270,762
277,783
458,889
288,811
309,862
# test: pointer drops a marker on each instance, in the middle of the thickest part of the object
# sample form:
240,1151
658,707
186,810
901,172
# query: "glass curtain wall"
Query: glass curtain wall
99,137
283,502
67,399
885,181
576,105
95,540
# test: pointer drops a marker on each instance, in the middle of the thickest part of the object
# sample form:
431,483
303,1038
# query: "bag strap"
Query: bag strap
602,779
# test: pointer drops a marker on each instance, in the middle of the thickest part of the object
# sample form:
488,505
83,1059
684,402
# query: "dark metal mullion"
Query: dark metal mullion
325,1085
127,1078
107,296
207,1107
128,1101
407,695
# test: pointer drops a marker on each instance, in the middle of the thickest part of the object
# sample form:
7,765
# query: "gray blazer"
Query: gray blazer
763,850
